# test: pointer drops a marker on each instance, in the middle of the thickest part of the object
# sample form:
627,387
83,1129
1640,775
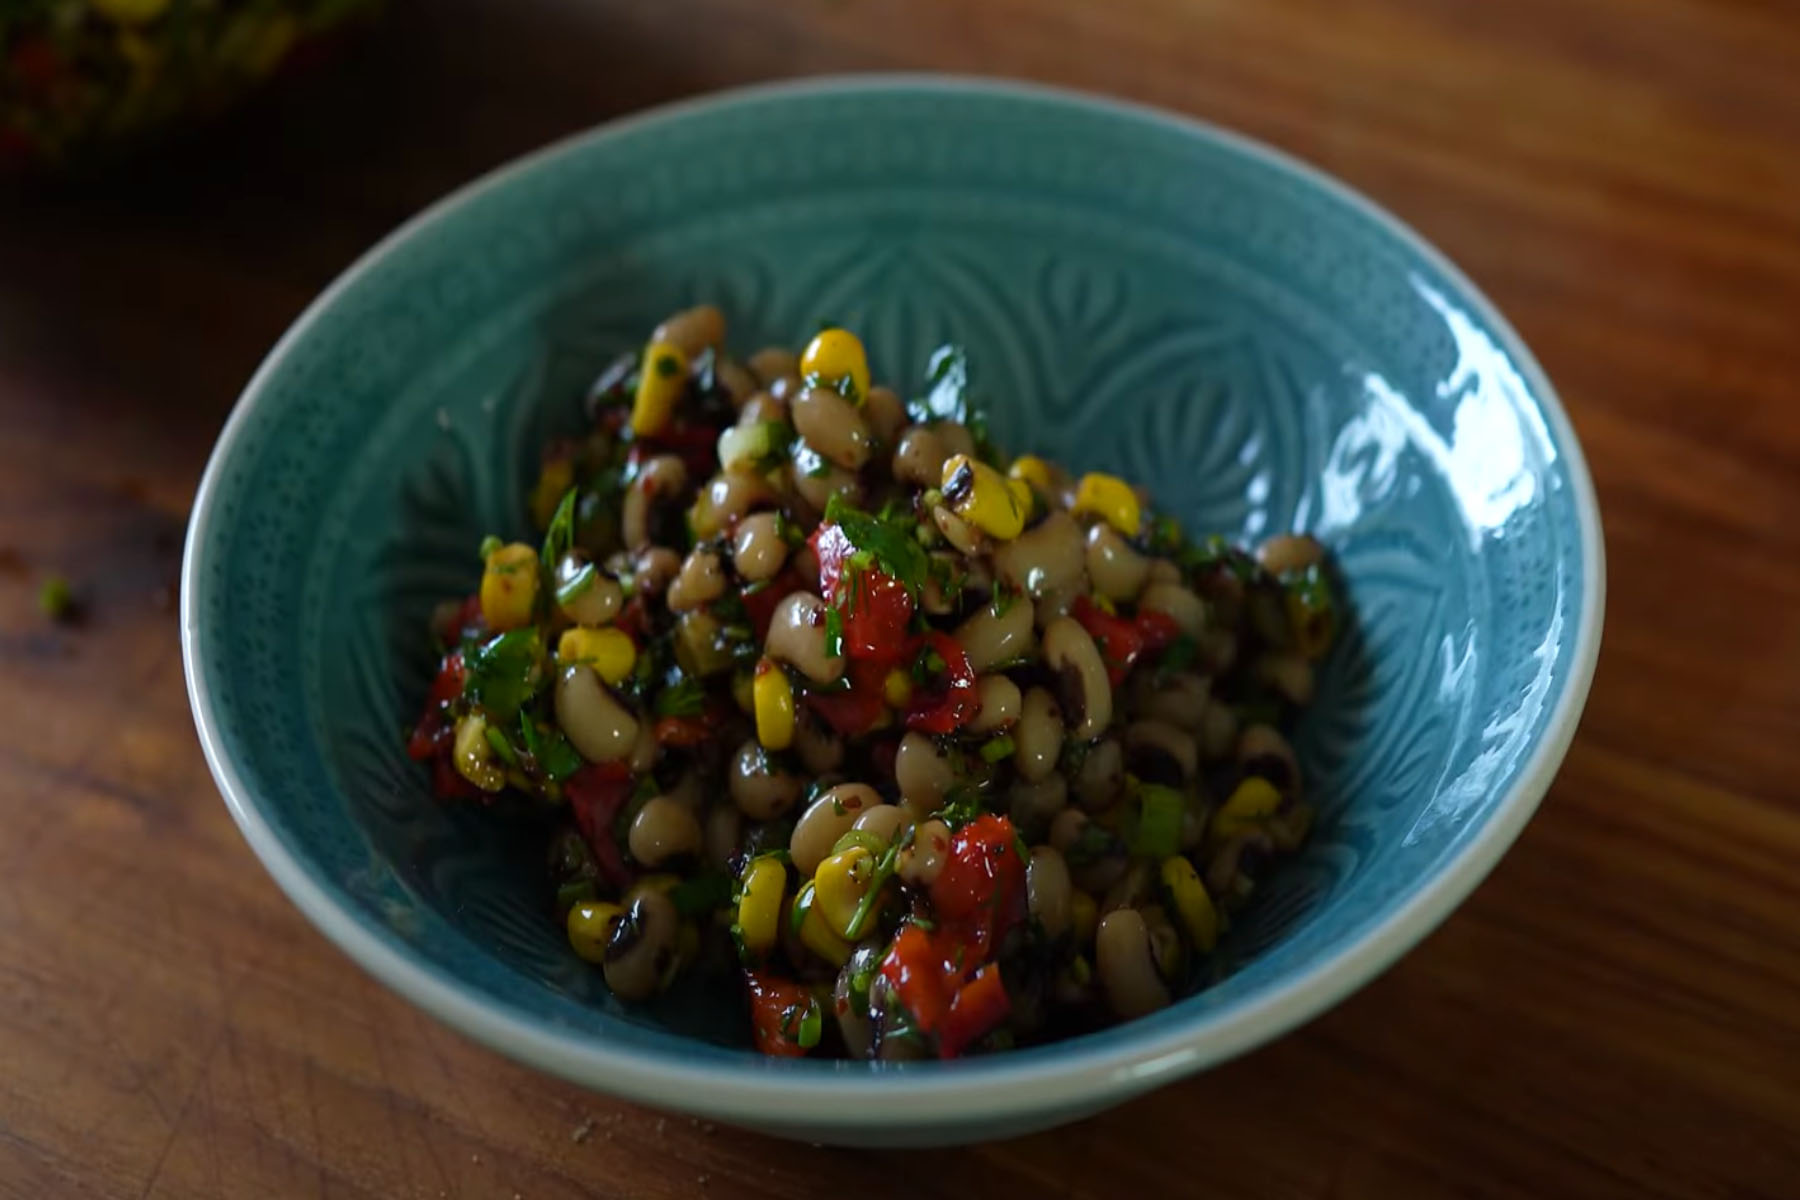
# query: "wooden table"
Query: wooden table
1617,1012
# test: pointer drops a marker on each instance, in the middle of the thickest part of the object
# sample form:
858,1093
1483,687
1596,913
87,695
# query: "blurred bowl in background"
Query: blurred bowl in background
81,78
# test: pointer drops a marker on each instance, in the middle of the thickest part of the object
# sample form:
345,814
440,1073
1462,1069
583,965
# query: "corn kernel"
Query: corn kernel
555,479
1084,917
836,355
661,380
759,905
610,651
473,754
839,885
590,927
897,688
1032,471
1193,907
1253,801
509,585
774,700
981,496
822,940
1022,495
1111,499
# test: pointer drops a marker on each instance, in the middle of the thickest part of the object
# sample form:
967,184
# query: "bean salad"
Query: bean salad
930,750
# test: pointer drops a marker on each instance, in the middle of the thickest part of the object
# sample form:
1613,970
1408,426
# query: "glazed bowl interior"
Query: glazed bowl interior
1137,294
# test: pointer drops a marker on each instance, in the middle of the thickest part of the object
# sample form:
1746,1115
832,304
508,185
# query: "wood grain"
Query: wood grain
1616,1013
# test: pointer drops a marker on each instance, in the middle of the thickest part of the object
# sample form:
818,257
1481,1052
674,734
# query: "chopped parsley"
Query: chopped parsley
503,673
560,536
891,544
683,698
1178,657
555,757
702,894
56,599
962,804
947,380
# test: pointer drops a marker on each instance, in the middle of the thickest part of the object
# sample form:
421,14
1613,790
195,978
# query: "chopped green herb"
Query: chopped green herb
489,544
962,804
555,756
667,366
947,374
896,551
865,908
1091,845
502,673
1179,656
1005,596
683,698
1156,832
701,894
834,633
1074,754
561,532
997,749
56,599
569,894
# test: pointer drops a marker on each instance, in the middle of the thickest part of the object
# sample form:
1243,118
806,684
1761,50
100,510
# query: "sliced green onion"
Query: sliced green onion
502,746
578,586
812,1026
872,842
997,749
489,544
1158,831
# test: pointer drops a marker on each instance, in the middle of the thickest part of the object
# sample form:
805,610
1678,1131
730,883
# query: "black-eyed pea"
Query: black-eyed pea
598,726
1117,571
661,478
758,550
1158,752
1178,603
1038,735
1034,805
885,413
663,830
758,789
1264,752
641,954
774,362
1126,963
1289,674
920,860
1048,890
700,581
919,457
1047,558
924,771
997,633
797,637
832,425
692,329
1000,704
1083,686
1101,780
1289,552
826,820
885,821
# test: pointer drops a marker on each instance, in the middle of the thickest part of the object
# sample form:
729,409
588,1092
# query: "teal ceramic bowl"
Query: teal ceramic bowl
1139,293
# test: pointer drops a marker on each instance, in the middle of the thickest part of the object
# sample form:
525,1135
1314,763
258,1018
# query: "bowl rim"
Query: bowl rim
1068,1075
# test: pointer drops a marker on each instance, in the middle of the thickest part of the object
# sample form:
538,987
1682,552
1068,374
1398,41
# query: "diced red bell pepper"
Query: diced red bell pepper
876,607
982,883
978,1006
1118,640
682,731
596,794
434,733
946,989
953,704
1157,629
855,711
448,784
777,1008
696,445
